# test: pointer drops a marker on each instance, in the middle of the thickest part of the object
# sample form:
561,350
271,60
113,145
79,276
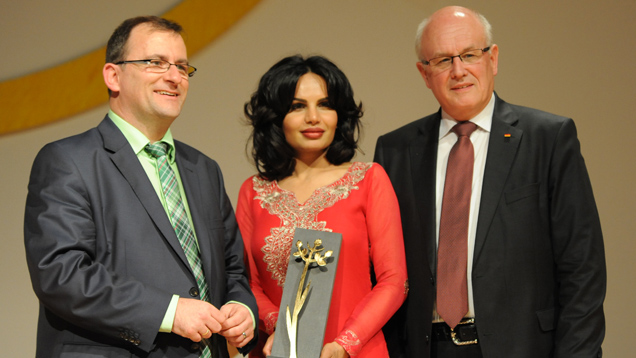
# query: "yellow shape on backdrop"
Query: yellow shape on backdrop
76,86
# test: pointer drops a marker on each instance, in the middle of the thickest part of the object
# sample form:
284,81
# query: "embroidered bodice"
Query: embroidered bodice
361,206
283,204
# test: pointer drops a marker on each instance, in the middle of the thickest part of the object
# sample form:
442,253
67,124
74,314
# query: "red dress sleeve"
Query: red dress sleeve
387,257
267,310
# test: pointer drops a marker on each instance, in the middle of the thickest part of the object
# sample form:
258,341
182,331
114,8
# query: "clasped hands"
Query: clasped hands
196,320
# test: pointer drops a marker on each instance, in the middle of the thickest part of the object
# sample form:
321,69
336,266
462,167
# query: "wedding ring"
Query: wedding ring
206,332
244,335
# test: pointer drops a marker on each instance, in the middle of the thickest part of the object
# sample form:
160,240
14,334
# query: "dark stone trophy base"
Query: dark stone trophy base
312,319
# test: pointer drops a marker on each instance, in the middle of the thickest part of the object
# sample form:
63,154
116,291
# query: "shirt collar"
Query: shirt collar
138,140
483,120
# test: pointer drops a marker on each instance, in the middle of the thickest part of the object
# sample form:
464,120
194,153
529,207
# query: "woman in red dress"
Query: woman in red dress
305,132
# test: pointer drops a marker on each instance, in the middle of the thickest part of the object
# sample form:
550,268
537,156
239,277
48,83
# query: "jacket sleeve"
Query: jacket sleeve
578,251
238,288
67,255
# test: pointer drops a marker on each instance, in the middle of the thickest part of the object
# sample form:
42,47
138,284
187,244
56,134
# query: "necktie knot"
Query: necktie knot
157,149
465,128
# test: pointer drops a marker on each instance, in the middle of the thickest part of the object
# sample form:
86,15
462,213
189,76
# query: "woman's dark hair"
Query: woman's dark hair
268,106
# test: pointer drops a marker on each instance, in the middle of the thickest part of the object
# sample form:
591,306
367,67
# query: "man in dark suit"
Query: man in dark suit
531,263
122,266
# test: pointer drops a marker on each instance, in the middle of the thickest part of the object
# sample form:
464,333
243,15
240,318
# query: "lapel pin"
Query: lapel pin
507,137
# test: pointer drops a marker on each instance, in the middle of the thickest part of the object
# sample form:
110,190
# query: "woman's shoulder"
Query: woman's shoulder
358,173
247,183
369,172
367,169
256,183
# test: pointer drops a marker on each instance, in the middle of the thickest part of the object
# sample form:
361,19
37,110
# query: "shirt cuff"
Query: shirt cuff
168,319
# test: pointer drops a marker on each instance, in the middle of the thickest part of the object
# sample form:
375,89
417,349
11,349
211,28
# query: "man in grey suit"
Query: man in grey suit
532,260
122,266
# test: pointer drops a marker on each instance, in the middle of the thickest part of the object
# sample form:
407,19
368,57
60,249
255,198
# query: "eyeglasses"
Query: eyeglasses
161,66
445,62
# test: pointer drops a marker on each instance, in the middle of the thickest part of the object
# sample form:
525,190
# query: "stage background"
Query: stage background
574,58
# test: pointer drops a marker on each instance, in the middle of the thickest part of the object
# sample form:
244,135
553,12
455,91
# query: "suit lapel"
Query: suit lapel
502,150
423,156
191,186
128,164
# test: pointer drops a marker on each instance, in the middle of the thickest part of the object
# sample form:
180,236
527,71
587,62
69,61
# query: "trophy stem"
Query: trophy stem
292,322
310,257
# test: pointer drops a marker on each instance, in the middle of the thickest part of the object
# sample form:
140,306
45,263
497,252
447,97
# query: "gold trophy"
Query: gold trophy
306,305
311,257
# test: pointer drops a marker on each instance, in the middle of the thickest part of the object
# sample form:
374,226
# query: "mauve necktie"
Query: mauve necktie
452,252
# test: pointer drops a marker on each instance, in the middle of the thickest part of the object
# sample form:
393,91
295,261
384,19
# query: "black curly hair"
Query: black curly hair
268,106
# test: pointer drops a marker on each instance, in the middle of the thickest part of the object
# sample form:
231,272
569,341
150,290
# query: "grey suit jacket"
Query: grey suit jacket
539,274
103,257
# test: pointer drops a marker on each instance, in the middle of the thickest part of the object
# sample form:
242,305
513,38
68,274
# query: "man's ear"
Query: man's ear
494,58
111,76
422,68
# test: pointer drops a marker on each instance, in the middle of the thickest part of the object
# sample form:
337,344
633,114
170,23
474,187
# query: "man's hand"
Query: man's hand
333,350
196,319
238,328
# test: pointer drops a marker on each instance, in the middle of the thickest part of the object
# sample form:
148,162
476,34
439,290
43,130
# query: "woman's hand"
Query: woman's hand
333,350
267,348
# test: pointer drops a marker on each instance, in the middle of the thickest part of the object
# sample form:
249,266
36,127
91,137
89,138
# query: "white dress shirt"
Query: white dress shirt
447,139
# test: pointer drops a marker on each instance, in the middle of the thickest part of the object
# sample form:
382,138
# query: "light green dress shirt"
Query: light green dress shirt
138,142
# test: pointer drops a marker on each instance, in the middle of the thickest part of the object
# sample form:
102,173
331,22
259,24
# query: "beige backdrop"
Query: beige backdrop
574,58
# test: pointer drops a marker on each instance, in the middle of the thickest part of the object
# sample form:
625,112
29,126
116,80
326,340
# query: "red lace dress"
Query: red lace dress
362,206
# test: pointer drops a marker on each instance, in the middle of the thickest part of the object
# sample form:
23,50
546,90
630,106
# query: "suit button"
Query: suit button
195,347
194,292
433,281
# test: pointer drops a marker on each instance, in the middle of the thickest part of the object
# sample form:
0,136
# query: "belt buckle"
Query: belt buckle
456,340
